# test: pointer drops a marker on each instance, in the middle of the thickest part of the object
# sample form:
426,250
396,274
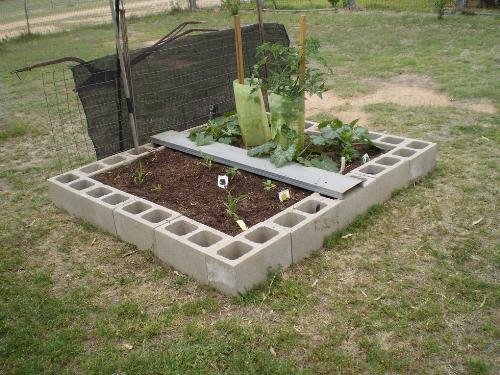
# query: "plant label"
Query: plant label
342,164
222,181
242,225
284,195
365,158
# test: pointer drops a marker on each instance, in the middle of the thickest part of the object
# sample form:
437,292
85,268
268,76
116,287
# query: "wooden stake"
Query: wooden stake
302,64
239,50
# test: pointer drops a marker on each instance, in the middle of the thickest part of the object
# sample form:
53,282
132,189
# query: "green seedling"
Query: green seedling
208,161
268,185
157,187
140,174
231,203
232,172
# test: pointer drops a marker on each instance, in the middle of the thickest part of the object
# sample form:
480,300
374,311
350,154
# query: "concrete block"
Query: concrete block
243,262
135,222
308,222
184,243
421,155
391,172
64,191
98,203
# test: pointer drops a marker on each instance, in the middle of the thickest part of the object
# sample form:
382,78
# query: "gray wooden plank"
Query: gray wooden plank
327,183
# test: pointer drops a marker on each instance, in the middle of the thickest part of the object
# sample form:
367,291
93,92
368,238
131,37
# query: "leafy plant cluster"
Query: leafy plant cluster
283,70
440,7
223,129
231,6
339,3
334,134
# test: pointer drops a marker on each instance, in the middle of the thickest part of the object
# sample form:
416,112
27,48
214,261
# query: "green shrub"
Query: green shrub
440,6
231,6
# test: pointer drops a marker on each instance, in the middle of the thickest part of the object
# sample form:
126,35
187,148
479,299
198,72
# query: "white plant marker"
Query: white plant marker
365,158
283,195
222,181
342,164
242,225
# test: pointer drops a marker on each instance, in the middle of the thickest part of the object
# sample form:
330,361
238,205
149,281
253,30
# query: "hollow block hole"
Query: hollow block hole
372,169
289,219
155,216
205,238
392,140
115,199
99,192
113,160
404,152
181,227
235,250
67,178
387,160
311,206
261,235
82,184
92,168
417,145
136,207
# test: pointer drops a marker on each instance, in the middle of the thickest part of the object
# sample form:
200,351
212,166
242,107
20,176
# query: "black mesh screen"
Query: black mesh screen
174,85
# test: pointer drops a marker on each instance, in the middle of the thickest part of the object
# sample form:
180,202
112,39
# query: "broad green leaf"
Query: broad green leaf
203,139
261,150
280,157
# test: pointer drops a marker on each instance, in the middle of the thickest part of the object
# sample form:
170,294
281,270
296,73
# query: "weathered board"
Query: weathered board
314,179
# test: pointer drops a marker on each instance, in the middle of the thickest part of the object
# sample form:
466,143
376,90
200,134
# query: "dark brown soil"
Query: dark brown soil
372,152
184,184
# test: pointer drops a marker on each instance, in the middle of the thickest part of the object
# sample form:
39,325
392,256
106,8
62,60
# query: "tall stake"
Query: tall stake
239,50
262,41
125,79
27,16
302,64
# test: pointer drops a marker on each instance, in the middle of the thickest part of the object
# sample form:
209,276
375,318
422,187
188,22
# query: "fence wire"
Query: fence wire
44,16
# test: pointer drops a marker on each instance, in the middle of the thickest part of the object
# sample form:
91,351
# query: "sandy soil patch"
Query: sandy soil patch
404,90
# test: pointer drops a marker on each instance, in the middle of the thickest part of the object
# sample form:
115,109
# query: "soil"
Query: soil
190,187
372,152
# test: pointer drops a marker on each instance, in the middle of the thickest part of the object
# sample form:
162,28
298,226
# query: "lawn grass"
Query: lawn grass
413,290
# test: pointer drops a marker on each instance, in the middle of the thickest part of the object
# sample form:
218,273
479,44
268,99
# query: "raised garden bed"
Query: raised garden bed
230,261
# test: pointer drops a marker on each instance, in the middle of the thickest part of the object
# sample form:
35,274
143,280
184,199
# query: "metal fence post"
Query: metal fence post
26,16
192,4
460,5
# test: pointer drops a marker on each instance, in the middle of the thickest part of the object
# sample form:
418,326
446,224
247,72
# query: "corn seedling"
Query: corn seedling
231,203
157,187
140,174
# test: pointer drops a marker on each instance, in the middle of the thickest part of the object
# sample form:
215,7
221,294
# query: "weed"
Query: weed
157,187
208,161
268,185
440,7
232,172
140,174
231,203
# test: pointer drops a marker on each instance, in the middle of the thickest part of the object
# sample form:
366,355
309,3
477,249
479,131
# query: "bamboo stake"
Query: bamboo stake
262,41
239,50
125,79
302,64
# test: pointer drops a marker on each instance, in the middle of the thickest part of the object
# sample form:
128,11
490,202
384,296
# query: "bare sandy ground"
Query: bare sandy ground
404,90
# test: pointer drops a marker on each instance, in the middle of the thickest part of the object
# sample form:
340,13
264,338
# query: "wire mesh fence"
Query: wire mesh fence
43,16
